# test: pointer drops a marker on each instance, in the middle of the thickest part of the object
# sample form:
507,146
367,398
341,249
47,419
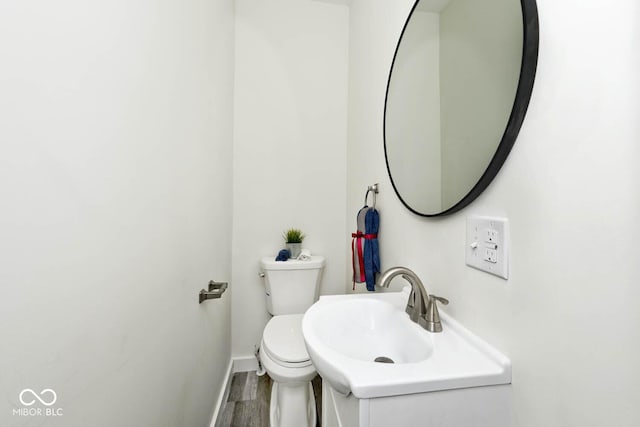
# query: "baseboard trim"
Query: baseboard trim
245,364
222,399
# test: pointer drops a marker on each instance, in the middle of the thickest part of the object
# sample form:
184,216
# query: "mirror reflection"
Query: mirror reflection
451,92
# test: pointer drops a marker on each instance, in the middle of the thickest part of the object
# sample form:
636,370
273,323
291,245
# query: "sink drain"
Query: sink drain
383,359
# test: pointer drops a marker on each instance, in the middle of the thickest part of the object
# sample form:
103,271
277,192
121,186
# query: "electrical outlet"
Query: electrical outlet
487,245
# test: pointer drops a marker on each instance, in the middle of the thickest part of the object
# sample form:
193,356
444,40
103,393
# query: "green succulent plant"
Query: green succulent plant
293,235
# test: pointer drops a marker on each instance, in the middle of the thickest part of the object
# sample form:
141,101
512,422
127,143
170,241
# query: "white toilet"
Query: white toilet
291,287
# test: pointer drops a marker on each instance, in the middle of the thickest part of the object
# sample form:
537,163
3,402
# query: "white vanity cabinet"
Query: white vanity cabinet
488,406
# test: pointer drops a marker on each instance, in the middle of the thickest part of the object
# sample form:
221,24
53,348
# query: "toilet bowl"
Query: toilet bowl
291,288
285,358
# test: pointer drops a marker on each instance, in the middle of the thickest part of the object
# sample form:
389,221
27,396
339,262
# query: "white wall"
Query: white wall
115,175
568,316
289,149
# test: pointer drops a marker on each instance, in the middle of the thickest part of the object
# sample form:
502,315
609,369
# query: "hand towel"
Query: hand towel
357,248
305,255
283,255
371,251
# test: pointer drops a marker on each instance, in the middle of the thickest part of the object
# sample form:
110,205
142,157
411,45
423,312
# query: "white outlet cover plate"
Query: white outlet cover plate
487,245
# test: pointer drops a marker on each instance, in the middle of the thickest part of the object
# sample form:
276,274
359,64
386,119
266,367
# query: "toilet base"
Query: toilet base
292,405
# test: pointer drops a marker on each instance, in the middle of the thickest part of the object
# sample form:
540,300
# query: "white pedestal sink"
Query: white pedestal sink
452,378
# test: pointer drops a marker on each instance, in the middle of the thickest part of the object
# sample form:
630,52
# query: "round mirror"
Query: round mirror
458,90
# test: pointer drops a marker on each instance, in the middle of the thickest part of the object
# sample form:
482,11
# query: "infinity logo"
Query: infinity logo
42,393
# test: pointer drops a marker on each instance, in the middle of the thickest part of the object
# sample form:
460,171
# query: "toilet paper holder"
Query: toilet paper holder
216,289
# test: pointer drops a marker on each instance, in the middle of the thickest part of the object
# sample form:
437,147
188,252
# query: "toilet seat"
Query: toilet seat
283,342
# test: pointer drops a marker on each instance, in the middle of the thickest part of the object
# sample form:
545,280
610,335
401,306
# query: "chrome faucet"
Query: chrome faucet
421,307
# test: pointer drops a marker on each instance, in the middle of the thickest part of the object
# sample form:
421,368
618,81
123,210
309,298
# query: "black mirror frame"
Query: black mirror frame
531,32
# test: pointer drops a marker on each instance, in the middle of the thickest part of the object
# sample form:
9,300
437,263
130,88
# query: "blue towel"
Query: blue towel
283,255
371,254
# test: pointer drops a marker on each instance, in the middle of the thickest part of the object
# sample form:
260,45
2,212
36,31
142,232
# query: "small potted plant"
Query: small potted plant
293,238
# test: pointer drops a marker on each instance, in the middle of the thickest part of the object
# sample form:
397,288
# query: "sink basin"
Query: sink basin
365,329
346,334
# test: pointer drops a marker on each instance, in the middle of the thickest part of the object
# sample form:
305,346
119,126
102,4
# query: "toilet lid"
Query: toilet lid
283,339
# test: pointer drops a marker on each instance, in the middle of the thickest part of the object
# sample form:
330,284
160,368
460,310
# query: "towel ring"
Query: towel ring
374,190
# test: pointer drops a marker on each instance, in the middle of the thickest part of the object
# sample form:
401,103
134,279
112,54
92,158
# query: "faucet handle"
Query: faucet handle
439,299
433,316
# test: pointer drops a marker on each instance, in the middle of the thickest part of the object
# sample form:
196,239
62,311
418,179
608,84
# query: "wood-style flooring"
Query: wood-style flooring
250,397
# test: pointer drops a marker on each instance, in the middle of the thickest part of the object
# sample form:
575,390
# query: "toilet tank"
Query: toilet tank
291,286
